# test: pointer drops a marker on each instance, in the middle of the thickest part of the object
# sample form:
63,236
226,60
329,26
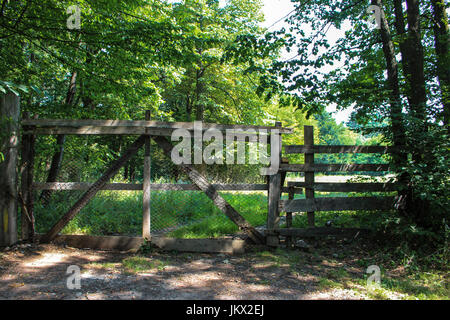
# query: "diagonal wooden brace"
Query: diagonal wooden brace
92,191
203,184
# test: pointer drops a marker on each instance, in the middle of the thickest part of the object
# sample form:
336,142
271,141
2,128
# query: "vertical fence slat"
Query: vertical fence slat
9,117
27,217
309,176
146,222
289,217
273,214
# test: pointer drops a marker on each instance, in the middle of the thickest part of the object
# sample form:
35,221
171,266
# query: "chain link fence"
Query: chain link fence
178,208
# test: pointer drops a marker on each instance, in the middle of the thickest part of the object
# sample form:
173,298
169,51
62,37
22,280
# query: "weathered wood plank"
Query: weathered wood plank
90,130
276,182
321,231
309,176
146,196
212,193
26,194
292,149
200,245
346,187
121,243
124,243
9,116
289,217
318,167
337,204
97,186
91,124
62,186
274,197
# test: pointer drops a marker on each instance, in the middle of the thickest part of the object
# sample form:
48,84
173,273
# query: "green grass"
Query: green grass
421,285
213,223
120,212
130,265
102,265
187,214
325,283
416,286
138,264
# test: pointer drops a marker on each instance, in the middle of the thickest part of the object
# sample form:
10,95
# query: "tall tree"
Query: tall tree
395,98
441,44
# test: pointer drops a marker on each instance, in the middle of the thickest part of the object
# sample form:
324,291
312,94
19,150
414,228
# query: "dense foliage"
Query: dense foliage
395,77
199,60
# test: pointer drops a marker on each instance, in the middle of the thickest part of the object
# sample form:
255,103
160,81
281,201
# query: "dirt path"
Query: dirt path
29,272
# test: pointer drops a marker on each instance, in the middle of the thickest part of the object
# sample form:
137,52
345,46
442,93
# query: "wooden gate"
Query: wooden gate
310,205
145,130
159,131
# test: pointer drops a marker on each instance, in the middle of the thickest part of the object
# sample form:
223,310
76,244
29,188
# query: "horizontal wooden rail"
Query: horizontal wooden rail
319,231
336,149
200,245
347,186
333,167
90,130
238,136
337,204
124,243
154,186
56,126
83,186
65,186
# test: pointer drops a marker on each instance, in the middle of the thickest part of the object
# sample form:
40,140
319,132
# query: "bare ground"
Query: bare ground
39,272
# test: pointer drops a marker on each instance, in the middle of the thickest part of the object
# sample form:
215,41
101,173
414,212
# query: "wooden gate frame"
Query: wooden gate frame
311,204
158,131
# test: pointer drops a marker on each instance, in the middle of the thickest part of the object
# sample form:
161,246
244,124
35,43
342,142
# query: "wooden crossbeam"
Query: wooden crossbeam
319,167
292,149
62,186
346,186
213,194
92,191
319,231
337,204
131,126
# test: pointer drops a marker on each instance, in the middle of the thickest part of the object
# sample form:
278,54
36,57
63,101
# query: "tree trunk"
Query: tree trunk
60,140
398,128
199,88
416,67
441,42
397,122
416,208
402,37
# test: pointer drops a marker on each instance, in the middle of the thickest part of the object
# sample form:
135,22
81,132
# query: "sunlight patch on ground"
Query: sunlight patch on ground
47,259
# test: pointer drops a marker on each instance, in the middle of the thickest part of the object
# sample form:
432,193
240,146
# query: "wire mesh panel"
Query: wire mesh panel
178,208
85,159
183,211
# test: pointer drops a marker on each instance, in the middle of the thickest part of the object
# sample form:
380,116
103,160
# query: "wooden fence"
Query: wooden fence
159,131
311,204
146,130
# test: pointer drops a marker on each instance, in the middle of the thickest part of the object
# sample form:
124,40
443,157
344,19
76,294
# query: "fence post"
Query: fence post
309,176
289,217
273,214
26,198
146,222
9,119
